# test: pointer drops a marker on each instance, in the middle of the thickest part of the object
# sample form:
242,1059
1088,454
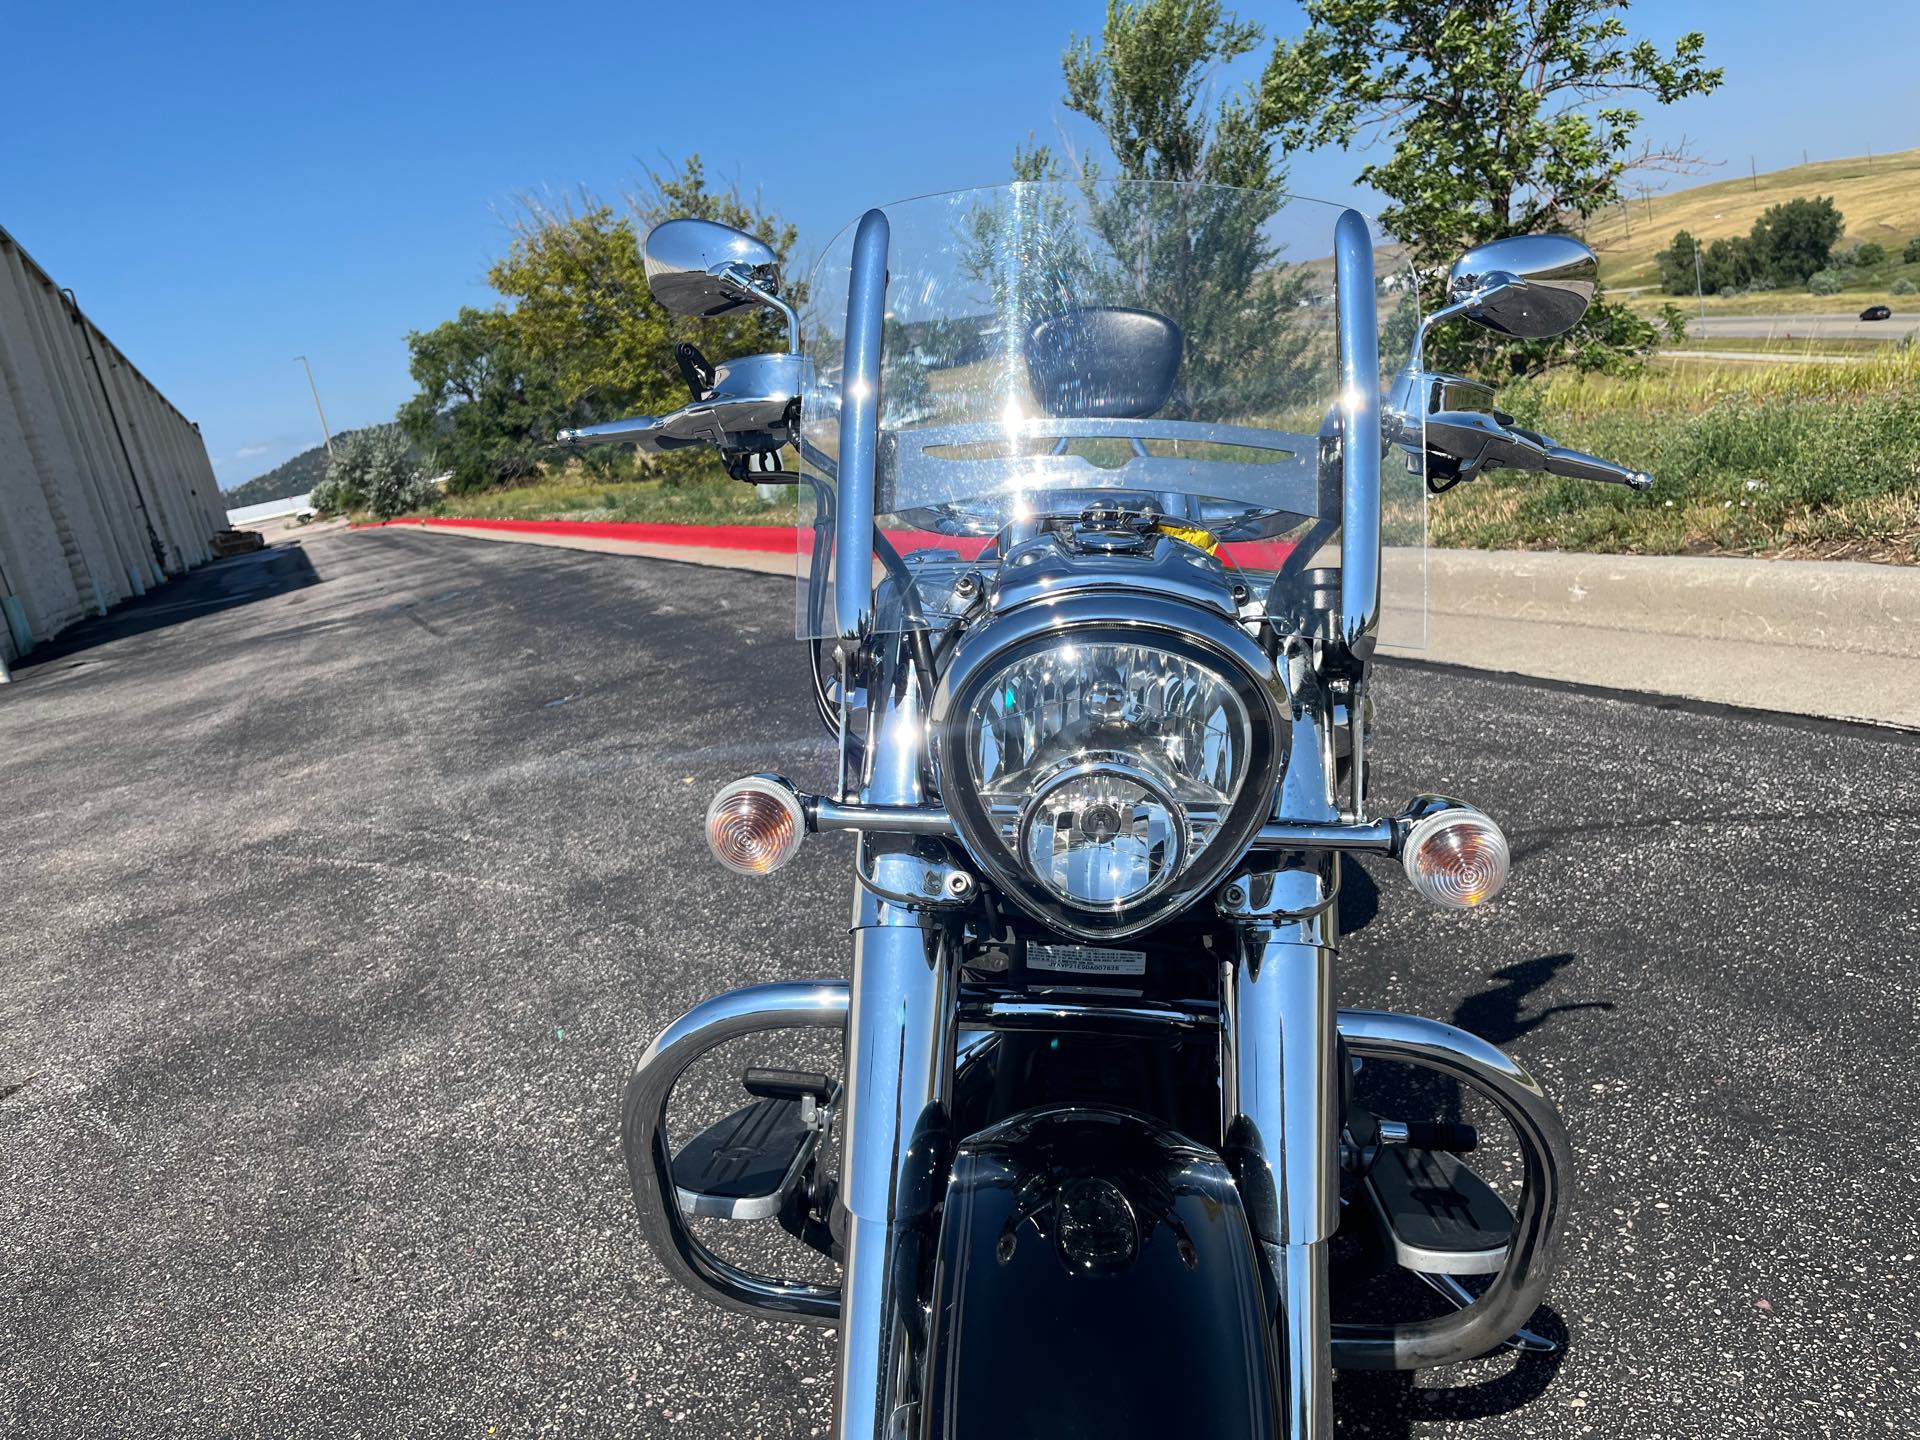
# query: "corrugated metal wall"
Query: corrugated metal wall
105,488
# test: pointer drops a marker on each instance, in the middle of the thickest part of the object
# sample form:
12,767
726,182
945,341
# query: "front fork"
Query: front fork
901,1028
1280,1108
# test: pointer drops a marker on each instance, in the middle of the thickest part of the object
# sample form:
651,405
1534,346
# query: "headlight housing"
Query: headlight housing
1104,774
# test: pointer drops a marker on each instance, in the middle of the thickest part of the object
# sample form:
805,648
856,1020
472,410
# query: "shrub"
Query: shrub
1870,253
1825,282
374,470
1912,253
1903,286
329,497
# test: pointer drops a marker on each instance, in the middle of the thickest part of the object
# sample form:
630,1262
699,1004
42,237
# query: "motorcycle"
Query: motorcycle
1105,506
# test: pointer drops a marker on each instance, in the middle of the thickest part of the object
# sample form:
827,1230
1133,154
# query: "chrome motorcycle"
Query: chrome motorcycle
1106,503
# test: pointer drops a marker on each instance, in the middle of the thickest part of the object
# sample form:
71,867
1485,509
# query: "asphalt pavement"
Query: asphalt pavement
343,882
1789,326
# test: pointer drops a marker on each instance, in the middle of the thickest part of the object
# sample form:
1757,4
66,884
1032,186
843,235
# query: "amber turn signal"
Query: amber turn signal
755,825
1456,857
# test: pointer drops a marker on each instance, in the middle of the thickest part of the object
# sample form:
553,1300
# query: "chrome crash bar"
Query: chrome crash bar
1505,1307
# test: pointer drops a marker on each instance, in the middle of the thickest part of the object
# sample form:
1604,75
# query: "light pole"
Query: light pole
325,434
1699,290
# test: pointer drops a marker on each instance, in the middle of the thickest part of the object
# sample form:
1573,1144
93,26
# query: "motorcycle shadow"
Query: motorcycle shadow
1382,1405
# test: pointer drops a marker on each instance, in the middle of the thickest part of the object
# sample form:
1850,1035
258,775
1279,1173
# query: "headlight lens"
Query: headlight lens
1105,766
1102,837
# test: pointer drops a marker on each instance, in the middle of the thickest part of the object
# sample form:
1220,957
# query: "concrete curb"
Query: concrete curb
1851,608
1829,639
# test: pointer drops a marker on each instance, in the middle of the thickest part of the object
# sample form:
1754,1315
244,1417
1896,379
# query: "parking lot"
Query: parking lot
343,882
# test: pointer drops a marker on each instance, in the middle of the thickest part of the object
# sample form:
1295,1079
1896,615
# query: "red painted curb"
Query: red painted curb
775,539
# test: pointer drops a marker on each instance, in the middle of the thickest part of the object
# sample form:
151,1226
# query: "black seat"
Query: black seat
1104,362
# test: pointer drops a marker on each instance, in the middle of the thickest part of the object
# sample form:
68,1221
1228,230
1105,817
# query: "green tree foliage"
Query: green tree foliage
1787,244
1678,274
375,470
1206,259
484,406
1792,241
1912,253
1869,253
577,337
1505,117
1143,85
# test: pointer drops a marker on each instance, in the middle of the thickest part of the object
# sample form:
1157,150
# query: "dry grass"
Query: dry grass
1879,198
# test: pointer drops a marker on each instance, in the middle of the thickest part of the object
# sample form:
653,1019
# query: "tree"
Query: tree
1794,240
579,338
1912,253
1869,253
1679,265
1505,118
1207,259
581,306
485,407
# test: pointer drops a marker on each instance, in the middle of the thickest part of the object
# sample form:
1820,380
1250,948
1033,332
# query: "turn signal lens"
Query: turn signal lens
754,826
1456,857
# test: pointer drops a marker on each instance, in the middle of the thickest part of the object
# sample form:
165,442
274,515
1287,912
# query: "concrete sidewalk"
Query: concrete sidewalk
1833,639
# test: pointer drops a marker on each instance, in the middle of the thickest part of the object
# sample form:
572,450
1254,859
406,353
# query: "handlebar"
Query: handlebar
1478,441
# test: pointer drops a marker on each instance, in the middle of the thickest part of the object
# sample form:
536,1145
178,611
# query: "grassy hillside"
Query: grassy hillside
1880,199
293,477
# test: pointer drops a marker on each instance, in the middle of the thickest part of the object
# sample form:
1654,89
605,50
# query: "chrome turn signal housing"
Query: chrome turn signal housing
1456,857
755,825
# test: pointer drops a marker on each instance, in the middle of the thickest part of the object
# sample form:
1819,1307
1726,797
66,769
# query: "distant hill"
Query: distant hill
1880,199
292,477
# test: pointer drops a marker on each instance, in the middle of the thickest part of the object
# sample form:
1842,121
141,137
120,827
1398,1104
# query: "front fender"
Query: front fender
1096,1277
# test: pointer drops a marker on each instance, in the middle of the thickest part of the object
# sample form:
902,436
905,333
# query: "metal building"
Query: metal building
105,488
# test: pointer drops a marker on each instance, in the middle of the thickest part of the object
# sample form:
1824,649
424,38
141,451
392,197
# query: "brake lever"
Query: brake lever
1578,465
1479,441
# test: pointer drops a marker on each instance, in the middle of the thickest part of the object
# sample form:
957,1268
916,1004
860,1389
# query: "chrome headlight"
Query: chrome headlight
1104,774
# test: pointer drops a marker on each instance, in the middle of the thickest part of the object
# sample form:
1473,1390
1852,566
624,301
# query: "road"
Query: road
1847,325
344,881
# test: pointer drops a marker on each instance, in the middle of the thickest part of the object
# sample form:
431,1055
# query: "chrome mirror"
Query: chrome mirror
1527,286
701,267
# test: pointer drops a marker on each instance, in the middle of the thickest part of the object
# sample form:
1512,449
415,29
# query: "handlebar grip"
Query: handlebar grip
1578,465
641,430
1455,1139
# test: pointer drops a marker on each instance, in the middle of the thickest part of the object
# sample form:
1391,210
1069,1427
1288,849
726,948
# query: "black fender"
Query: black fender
1095,1277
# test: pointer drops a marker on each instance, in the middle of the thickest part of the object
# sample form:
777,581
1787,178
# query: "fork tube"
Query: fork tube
1279,1077
1280,1093
900,1064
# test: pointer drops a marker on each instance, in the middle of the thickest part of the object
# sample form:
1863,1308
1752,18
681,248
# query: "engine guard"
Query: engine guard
1475,1330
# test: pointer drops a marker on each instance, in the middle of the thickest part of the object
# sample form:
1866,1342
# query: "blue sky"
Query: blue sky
229,186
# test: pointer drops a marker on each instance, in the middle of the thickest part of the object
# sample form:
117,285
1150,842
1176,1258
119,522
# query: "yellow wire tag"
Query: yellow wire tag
1199,539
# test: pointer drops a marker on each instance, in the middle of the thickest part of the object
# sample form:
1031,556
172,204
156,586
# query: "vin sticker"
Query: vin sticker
1086,960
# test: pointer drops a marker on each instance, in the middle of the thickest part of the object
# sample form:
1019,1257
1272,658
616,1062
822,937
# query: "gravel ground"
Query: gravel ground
344,881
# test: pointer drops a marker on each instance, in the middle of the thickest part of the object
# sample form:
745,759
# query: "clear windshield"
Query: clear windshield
1161,353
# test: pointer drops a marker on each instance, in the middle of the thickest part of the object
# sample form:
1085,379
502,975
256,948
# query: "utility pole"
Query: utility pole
1699,290
1753,169
325,434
